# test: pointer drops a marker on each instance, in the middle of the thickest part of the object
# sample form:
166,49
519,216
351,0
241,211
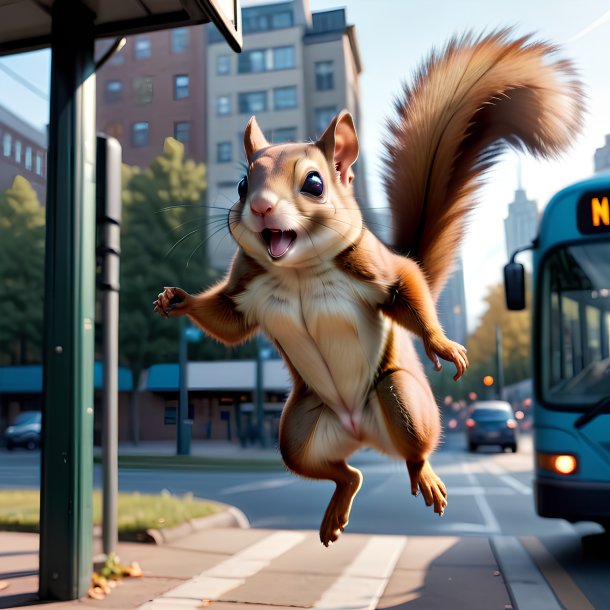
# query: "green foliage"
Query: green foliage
515,327
22,235
163,238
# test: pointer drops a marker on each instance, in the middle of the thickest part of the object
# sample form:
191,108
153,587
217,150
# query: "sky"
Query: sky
394,36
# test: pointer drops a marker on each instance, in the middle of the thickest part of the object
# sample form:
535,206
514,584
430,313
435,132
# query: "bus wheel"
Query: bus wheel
472,447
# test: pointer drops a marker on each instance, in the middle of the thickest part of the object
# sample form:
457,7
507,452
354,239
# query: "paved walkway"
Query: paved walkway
278,570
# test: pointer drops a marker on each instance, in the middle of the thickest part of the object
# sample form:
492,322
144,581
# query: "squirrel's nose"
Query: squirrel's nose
261,206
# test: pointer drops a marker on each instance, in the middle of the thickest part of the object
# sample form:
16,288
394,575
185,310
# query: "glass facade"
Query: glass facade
252,102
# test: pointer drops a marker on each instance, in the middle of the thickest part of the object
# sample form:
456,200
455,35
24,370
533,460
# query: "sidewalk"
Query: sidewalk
282,570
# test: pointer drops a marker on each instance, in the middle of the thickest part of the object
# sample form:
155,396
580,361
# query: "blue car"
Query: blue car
25,432
491,422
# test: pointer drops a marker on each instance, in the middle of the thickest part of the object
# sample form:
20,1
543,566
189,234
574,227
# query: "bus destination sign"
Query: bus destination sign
593,213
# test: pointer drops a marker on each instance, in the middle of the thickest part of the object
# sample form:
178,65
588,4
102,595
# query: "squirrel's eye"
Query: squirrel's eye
242,187
313,184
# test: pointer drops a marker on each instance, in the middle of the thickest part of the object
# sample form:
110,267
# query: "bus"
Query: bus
570,352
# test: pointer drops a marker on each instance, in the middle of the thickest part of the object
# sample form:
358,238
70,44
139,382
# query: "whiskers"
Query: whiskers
216,226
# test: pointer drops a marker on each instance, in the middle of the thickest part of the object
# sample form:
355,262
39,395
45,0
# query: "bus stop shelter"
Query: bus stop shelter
69,28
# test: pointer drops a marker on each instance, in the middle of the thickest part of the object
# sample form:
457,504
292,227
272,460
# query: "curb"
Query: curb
229,516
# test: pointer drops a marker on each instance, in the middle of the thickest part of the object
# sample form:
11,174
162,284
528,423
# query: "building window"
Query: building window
142,47
18,151
325,75
223,65
284,98
281,19
284,58
224,153
323,117
38,164
113,91
254,101
143,89
139,134
284,134
182,131
223,105
28,157
252,61
181,87
7,144
180,40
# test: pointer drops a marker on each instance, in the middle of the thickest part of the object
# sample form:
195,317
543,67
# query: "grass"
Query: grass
19,510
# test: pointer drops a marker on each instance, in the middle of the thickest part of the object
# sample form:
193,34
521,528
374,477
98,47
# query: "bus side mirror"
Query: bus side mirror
514,286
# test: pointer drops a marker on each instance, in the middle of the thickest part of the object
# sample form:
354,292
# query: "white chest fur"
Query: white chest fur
329,326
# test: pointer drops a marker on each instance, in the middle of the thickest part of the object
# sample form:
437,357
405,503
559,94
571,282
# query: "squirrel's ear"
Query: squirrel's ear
254,139
340,145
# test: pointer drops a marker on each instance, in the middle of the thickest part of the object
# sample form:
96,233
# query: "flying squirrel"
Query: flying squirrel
339,305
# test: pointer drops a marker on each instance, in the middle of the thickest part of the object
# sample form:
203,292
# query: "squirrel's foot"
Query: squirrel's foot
336,517
424,479
172,302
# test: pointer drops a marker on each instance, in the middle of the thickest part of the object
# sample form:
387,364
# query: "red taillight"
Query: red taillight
511,423
470,422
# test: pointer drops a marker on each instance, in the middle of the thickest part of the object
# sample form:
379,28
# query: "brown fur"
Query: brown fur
337,303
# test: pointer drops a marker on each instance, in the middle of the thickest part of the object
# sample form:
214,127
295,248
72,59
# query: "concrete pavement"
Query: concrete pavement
236,568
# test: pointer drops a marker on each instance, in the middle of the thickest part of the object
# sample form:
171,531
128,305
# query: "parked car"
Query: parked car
491,422
25,432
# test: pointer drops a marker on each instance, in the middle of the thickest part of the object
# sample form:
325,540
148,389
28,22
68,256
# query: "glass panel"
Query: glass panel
574,356
143,89
284,58
325,77
255,101
223,105
284,98
223,65
323,118
181,86
139,134
142,48
180,40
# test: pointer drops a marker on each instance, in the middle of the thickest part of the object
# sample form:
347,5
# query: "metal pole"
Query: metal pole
260,391
183,438
500,363
109,217
66,528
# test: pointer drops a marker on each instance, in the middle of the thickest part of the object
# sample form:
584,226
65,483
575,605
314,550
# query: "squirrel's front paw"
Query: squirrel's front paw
172,302
447,350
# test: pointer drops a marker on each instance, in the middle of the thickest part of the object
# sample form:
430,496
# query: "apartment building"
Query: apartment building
23,151
154,88
297,70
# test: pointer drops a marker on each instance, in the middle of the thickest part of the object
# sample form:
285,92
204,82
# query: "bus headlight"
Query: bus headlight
560,463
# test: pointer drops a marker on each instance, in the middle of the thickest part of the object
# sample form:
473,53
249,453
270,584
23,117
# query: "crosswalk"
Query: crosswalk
288,569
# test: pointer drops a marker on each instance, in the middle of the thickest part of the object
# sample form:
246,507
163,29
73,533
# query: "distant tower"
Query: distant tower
602,157
452,306
521,224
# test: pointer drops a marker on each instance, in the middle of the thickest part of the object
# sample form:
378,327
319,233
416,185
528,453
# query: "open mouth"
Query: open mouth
278,242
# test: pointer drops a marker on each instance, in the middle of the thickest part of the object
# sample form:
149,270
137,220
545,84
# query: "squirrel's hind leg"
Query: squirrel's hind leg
313,444
412,424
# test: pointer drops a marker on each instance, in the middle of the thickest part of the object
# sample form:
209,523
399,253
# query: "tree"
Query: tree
515,327
22,237
164,229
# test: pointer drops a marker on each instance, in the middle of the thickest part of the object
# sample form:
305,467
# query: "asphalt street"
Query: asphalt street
489,496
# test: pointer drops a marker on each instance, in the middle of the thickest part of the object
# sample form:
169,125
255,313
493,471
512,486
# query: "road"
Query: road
489,497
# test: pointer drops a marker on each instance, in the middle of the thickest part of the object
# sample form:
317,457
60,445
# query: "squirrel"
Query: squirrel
341,307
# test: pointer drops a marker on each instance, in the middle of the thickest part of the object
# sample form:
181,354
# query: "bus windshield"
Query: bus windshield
575,324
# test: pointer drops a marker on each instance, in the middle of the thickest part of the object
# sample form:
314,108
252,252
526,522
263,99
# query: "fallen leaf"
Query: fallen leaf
4,584
96,593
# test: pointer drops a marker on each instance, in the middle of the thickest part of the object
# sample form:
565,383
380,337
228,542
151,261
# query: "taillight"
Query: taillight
470,422
511,423
559,463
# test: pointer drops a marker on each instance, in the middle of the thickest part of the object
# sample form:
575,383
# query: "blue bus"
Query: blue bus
570,352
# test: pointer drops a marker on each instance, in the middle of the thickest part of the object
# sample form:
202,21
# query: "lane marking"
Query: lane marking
526,586
229,574
364,580
261,485
558,578
508,479
491,523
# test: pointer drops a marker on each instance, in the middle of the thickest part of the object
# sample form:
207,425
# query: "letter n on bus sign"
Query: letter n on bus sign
593,213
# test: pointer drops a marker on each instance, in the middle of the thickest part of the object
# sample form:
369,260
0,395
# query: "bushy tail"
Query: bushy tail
465,106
